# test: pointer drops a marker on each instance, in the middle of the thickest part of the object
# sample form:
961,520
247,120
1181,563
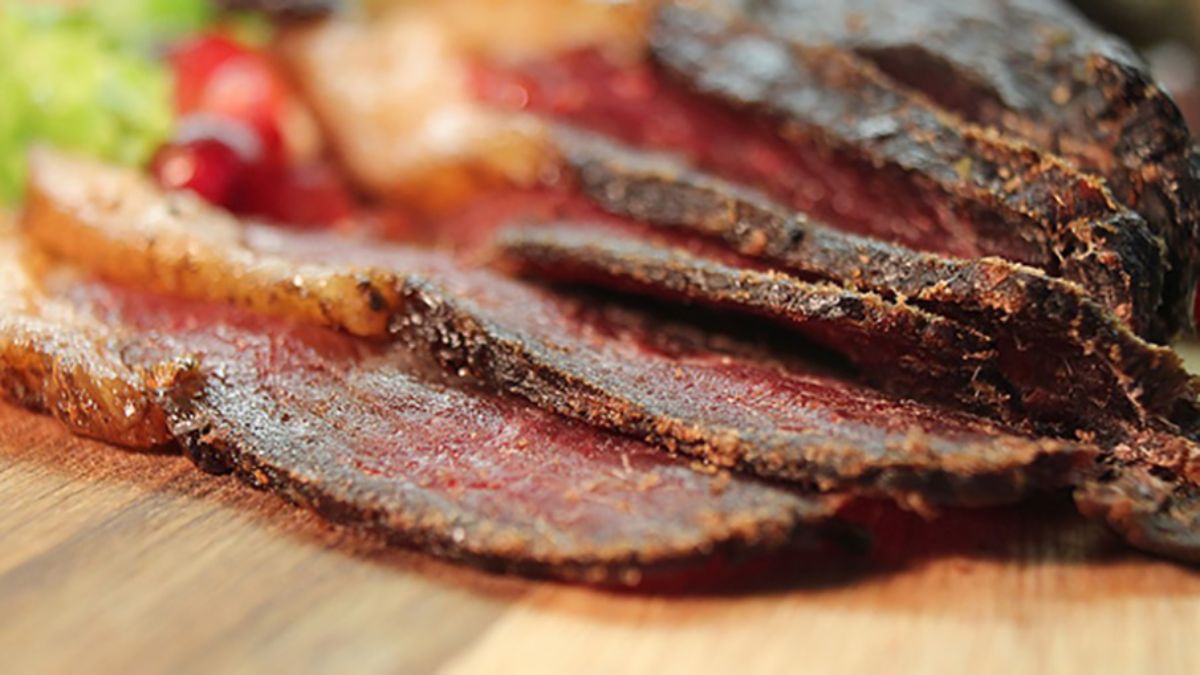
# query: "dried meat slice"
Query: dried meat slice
728,406
1037,69
827,133
895,345
1073,365
824,96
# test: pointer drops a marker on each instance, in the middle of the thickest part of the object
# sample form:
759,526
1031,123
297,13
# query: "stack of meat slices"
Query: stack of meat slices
942,299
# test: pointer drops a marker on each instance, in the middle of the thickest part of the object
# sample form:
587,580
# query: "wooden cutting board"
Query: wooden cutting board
118,562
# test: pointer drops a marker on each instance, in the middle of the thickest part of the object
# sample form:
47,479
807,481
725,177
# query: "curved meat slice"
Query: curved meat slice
127,212
731,407
1037,69
894,345
1072,364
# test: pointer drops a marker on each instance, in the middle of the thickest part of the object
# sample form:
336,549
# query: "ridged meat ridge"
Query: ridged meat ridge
1094,373
1039,70
895,345
366,434
731,409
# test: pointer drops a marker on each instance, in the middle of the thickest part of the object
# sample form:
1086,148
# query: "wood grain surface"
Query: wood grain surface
121,562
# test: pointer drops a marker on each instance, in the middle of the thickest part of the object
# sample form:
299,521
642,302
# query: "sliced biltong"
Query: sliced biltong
733,409
1014,196
367,435
895,345
1073,365
1037,69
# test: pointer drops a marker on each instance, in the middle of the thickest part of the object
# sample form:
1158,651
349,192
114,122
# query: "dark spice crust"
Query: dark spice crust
895,345
1097,374
842,102
1041,71
1001,469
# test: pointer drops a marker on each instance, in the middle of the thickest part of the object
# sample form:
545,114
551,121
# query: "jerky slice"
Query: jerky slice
732,407
1073,364
1038,69
896,345
829,98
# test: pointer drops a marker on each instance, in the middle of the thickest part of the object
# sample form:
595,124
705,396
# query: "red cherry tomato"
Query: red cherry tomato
205,166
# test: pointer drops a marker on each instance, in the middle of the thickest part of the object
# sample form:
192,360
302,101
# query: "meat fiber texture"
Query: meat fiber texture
699,394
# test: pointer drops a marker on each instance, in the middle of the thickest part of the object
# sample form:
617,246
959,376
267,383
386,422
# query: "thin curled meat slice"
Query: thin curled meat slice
1072,364
1041,71
896,346
733,408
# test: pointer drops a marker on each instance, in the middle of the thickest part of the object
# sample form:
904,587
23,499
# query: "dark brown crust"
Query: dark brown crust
1107,375
561,375
833,98
1037,69
895,345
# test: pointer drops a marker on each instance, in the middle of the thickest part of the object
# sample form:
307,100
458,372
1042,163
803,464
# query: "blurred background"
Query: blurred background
1167,32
